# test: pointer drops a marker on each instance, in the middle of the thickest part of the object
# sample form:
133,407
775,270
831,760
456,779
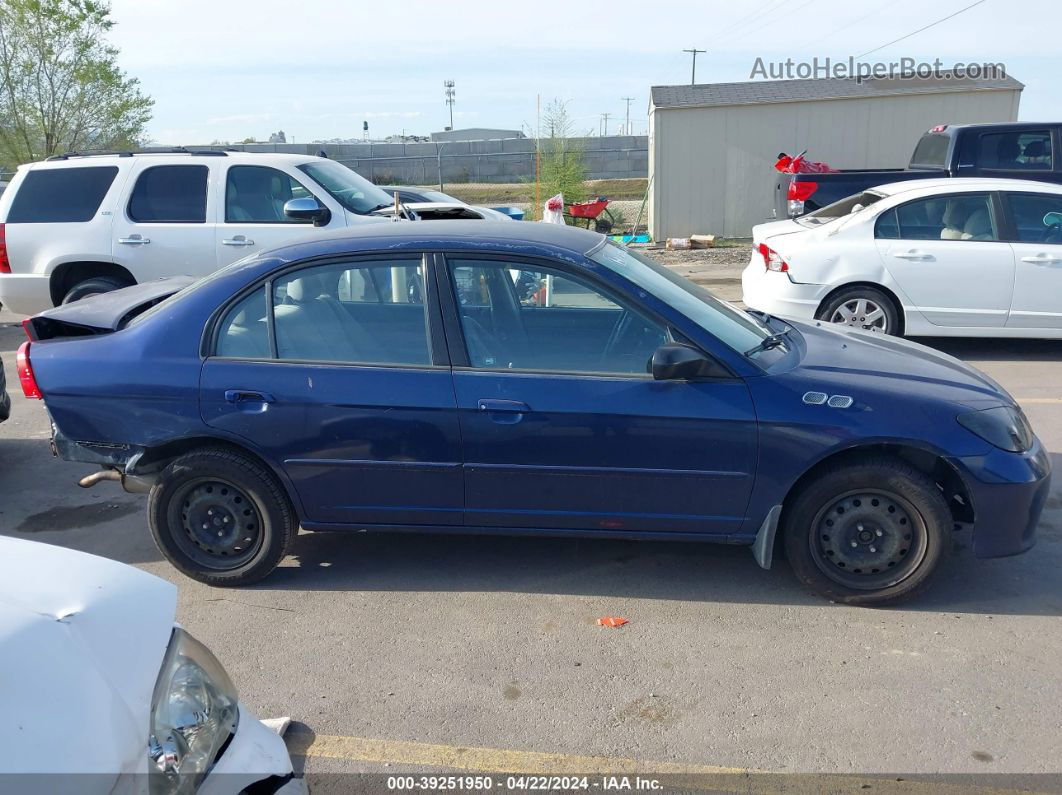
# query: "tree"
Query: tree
563,169
60,85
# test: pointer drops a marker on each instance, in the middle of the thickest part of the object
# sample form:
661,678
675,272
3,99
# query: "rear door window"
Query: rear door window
964,216
170,195
1016,151
61,195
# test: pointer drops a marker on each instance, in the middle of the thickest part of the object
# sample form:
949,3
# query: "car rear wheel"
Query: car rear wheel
93,286
220,517
867,533
864,308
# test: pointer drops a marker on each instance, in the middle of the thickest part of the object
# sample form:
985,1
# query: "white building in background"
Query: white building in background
712,147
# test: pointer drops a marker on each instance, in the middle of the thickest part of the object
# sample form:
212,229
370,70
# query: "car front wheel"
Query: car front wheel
220,517
863,308
870,532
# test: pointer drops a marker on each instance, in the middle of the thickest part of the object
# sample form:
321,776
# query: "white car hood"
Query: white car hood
81,643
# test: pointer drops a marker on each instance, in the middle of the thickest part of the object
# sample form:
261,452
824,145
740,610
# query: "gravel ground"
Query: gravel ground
718,269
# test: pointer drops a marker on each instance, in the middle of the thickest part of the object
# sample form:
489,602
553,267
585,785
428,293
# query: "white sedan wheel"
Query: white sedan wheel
861,313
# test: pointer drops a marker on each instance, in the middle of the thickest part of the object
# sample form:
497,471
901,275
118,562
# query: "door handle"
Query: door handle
507,406
912,255
247,396
504,412
1041,259
134,240
238,240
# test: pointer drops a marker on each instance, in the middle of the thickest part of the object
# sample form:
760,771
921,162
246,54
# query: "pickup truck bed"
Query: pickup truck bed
1018,150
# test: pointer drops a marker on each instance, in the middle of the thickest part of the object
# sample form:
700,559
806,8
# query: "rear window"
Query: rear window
931,152
61,195
840,209
171,195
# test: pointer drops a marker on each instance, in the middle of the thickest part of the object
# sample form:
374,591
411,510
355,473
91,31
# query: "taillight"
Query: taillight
5,263
798,193
772,260
25,372
27,326
801,191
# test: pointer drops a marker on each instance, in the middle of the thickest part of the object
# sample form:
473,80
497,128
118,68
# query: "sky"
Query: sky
227,70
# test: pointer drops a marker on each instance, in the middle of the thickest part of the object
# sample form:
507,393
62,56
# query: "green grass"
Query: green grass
524,192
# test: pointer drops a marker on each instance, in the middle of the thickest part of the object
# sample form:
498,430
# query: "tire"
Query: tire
869,532
93,286
217,490
844,308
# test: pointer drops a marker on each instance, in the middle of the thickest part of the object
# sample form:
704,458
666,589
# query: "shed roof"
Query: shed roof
760,91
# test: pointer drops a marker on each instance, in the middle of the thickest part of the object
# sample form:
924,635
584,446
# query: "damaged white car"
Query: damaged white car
102,692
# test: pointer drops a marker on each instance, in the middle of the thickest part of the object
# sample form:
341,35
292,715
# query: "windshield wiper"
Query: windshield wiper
772,341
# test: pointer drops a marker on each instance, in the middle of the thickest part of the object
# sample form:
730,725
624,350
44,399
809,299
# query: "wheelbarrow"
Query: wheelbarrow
594,212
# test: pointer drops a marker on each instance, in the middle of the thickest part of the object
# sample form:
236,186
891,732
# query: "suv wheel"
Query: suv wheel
864,308
93,286
220,517
867,533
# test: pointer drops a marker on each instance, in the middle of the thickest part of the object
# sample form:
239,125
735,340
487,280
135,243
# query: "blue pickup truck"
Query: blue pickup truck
1016,150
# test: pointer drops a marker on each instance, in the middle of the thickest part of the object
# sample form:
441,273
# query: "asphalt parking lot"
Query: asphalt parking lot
476,654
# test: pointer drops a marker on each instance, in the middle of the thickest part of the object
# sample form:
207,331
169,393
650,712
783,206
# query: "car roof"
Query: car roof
482,235
74,160
963,184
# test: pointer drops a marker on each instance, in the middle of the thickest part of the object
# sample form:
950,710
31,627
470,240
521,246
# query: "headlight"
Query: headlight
193,714
1004,426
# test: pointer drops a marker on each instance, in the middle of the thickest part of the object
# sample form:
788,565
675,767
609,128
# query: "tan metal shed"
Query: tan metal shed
712,147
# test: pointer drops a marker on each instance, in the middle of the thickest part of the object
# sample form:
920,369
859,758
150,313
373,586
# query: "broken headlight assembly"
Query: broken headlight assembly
193,714
1004,427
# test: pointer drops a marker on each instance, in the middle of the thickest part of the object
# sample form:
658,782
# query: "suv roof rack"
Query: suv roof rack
150,150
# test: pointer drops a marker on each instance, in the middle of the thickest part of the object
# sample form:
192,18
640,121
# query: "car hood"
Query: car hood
82,640
875,360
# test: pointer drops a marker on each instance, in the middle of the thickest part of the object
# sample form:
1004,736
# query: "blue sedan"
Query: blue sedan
525,378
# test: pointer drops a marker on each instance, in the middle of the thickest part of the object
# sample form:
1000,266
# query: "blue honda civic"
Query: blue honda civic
472,377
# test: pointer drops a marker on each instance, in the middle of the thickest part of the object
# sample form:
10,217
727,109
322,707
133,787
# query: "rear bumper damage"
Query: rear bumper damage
117,461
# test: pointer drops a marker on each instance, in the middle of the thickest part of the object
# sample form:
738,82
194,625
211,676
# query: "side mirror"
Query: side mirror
676,361
307,209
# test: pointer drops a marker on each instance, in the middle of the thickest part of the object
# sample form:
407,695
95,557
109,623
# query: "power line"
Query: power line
927,27
744,29
770,5
857,20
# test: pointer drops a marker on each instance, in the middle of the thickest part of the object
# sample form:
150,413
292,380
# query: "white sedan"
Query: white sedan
101,692
941,257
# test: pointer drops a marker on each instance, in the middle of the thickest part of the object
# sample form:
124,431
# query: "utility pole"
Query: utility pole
693,74
605,117
627,126
450,92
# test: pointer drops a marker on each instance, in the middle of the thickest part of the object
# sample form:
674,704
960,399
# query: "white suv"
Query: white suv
75,225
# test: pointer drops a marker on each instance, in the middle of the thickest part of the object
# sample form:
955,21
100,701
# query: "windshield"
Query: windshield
733,327
850,205
436,196
347,187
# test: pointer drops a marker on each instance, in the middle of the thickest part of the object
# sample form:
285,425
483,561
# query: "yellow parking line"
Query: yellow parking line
402,753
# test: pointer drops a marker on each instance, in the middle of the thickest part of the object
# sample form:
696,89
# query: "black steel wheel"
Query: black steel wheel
221,517
867,531
221,526
868,539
